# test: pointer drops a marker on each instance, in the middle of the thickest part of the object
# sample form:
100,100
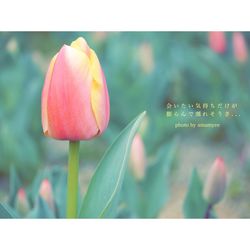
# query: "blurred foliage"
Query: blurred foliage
194,204
20,88
101,199
146,198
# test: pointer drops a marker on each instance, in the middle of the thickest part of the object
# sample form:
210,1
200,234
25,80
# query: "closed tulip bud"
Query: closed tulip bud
75,100
240,47
146,58
22,204
46,193
137,158
12,46
217,41
100,36
215,185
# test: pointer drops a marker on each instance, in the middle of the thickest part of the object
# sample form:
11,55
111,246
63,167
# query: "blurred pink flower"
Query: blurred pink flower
217,41
138,158
240,47
146,57
46,193
100,36
22,204
215,184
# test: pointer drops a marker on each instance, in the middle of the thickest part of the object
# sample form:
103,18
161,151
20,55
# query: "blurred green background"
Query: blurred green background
144,71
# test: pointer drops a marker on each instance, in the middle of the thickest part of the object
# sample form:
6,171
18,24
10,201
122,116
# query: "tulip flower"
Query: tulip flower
137,158
46,193
22,204
75,100
215,185
75,105
240,47
217,41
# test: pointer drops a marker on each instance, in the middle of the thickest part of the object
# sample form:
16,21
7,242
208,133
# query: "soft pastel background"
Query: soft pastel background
144,71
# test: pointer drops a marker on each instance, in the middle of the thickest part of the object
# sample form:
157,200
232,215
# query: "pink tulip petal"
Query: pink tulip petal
45,95
70,114
81,44
99,94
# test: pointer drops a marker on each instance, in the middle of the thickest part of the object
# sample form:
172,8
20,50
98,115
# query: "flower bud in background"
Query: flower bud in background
240,47
217,41
46,193
146,58
100,36
75,100
12,46
138,158
215,185
22,204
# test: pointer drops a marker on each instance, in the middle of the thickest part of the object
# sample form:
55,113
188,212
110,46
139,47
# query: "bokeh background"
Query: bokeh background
144,71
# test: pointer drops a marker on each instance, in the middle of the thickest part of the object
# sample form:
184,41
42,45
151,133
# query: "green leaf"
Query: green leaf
7,212
131,195
35,186
41,210
101,197
14,185
156,183
60,193
194,205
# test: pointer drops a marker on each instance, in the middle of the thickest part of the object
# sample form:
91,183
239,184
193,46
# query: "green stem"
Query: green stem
72,192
